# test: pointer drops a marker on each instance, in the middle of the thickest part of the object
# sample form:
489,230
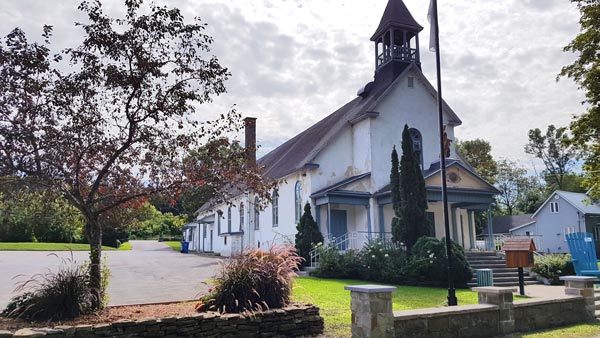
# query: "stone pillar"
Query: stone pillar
372,315
503,298
582,286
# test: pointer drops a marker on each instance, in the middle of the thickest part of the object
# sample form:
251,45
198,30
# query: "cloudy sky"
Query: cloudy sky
296,61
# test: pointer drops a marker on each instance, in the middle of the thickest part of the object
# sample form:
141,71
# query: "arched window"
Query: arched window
298,201
229,220
417,141
241,216
256,213
275,204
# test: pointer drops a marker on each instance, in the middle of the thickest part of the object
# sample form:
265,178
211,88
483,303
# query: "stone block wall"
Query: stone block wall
293,321
536,315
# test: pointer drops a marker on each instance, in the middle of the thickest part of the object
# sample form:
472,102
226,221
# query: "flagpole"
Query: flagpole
452,301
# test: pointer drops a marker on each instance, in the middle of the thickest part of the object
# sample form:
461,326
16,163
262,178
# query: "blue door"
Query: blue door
339,226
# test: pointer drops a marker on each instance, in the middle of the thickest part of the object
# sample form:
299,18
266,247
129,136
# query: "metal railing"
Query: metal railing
350,241
496,242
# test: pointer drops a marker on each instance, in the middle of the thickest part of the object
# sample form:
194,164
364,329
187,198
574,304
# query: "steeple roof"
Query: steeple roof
396,14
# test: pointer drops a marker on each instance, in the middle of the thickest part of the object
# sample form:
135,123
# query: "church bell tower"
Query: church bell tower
396,42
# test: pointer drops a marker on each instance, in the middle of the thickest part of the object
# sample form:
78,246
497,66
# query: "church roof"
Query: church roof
396,14
300,151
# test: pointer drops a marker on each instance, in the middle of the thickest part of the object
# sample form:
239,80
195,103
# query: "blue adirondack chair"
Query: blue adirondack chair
583,251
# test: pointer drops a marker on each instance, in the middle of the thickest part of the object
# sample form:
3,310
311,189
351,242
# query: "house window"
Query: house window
241,216
417,141
204,231
568,230
225,240
256,213
597,232
219,213
229,220
275,203
554,207
298,201
411,82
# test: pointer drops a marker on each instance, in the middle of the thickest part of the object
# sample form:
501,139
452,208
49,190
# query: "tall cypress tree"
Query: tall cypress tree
307,235
395,188
412,211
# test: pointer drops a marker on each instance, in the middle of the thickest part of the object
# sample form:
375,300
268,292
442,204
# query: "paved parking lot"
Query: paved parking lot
151,272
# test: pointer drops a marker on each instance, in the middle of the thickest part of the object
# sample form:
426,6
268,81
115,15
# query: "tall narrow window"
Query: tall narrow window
241,216
229,220
298,200
219,213
417,141
554,207
256,213
275,204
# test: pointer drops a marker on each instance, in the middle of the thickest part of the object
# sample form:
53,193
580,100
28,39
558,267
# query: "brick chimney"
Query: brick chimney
250,129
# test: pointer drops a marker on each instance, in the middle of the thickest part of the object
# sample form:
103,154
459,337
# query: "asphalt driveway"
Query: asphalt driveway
151,272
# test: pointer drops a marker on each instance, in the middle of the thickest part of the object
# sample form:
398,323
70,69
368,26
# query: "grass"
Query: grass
125,247
176,246
329,295
49,247
575,331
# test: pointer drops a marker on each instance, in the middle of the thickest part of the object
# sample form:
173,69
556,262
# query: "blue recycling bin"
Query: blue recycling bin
485,277
185,247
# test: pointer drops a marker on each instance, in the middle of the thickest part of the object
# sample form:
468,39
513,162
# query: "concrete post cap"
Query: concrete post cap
370,288
495,290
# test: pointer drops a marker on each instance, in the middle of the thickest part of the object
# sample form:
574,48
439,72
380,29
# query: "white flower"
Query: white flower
373,256
428,251
386,255
431,262
432,255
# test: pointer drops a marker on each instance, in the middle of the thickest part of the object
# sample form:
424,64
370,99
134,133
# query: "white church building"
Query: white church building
341,165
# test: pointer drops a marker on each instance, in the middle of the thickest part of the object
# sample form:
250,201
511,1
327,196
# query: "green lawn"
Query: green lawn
125,246
174,245
49,247
576,331
329,295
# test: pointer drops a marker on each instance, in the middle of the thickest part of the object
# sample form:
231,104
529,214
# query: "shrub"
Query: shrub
53,296
307,235
254,281
553,266
333,264
383,262
428,263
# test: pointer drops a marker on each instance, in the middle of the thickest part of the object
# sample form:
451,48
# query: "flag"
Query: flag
432,21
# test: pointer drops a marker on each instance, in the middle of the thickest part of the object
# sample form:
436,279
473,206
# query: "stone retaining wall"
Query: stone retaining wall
495,315
540,314
292,321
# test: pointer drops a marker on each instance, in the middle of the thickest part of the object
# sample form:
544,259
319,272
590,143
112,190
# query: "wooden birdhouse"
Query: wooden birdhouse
519,252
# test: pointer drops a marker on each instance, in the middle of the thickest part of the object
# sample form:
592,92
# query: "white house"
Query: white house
562,213
341,164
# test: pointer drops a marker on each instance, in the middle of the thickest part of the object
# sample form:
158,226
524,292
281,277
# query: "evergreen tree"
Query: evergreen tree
412,216
395,188
307,235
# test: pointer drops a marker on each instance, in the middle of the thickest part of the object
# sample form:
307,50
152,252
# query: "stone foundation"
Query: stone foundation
293,321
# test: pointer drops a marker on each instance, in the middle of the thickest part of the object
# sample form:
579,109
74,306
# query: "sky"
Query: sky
293,62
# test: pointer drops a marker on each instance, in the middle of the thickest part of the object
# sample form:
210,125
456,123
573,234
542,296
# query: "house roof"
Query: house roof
339,185
396,14
301,150
503,224
518,244
434,168
579,201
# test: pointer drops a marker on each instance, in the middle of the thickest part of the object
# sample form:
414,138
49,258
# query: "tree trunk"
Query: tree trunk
94,236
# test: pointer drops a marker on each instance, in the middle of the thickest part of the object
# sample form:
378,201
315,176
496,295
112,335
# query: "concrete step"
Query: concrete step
489,261
597,314
488,266
505,274
597,306
302,273
481,253
309,268
471,284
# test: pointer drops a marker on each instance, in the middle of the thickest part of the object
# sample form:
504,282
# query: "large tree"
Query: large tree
555,149
585,71
412,220
114,125
478,153
518,192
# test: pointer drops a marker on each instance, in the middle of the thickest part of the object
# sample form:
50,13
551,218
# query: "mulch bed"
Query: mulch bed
110,314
